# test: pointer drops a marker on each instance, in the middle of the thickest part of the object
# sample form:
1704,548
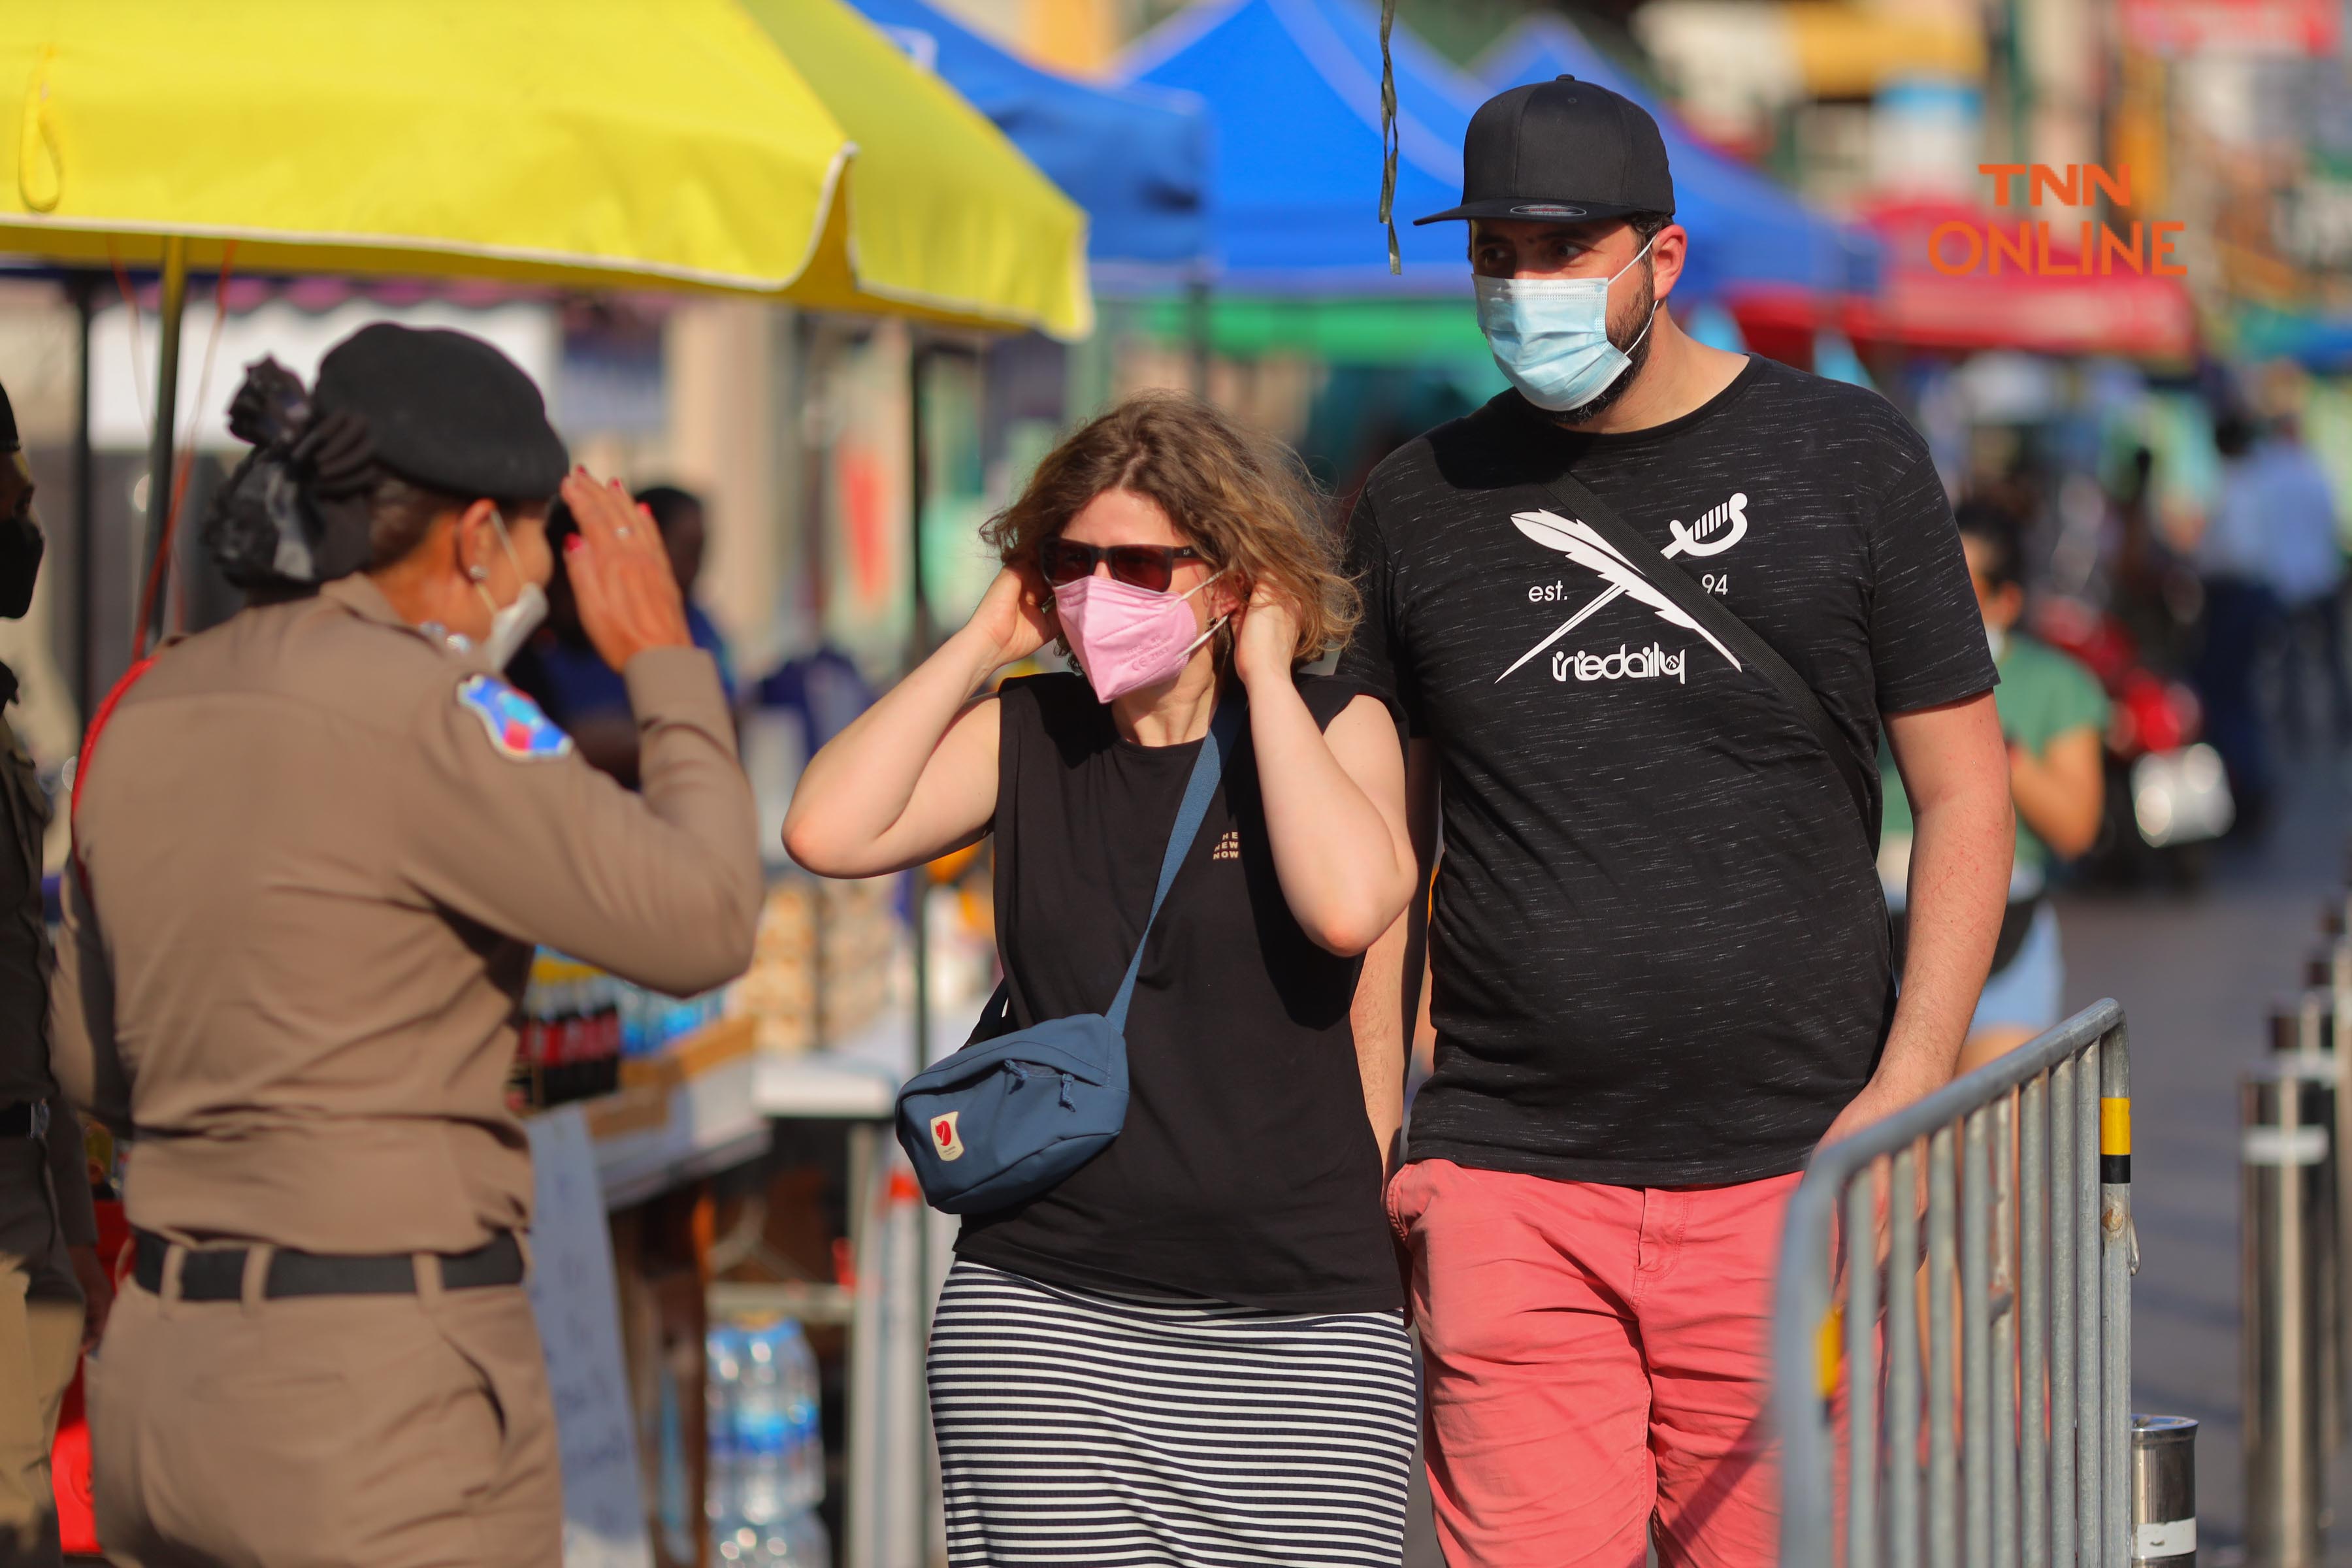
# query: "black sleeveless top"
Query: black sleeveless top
1246,1172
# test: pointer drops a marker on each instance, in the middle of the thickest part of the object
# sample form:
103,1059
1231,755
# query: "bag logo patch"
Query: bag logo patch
946,1141
514,722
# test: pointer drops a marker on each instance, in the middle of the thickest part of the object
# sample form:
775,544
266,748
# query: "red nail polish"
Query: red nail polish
572,545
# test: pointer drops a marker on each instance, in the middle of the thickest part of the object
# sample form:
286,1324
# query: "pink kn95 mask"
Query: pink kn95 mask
1127,637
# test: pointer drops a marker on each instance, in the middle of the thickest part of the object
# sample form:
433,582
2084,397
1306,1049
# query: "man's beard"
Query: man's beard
1630,334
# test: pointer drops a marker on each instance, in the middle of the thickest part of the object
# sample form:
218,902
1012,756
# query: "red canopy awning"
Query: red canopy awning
1981,298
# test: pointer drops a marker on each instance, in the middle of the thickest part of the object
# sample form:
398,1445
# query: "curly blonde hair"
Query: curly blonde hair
1242,499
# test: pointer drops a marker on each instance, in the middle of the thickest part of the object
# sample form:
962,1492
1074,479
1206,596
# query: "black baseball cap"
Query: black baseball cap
1563,150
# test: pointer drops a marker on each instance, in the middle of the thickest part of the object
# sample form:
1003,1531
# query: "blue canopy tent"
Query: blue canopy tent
1747,231
1137,158
1294,86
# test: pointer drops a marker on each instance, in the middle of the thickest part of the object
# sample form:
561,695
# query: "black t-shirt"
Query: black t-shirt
1247,1171
1659,946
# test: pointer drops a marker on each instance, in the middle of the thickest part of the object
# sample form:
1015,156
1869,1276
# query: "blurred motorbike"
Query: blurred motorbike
2168,795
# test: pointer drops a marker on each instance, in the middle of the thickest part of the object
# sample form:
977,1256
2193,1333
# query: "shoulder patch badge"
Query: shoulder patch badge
516,725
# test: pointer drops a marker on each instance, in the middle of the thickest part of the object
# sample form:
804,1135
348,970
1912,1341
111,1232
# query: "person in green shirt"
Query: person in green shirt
2053,715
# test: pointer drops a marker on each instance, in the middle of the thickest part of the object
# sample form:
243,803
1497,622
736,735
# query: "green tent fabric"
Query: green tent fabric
1337,332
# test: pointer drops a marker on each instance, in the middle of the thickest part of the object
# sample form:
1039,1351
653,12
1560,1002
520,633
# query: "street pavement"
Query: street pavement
2196,971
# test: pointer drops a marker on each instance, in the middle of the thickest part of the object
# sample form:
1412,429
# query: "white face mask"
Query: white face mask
512,624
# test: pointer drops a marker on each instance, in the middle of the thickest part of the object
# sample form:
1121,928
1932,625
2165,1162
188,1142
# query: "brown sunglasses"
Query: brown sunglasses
1148,566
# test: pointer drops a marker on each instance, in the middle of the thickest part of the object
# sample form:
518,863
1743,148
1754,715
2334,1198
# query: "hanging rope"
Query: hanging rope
138,370
1388,135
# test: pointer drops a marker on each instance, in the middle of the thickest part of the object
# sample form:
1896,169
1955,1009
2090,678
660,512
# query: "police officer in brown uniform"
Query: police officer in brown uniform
52,1289
318,841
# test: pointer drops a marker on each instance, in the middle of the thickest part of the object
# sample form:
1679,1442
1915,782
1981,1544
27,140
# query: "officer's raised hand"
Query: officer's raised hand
621,575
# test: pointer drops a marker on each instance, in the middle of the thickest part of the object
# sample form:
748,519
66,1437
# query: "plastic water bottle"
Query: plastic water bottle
722,1500
763,1428
803,1543
805,1457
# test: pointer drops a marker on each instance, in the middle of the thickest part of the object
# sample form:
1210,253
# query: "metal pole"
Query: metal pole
919,649
1861,1371
2164,1491
1976,1337
85,480
2037,1202
2300,1031
1943,1406
2089,1413
2285,1140
2339,1006
2065,1240
159,446
2116,1243
1903,1363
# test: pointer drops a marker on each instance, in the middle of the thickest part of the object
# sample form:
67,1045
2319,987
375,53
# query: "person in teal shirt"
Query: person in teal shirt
2053,715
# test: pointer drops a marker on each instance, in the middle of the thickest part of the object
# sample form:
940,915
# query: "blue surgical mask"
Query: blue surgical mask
1550,335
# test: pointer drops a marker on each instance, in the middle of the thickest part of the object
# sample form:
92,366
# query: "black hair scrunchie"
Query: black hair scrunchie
294,514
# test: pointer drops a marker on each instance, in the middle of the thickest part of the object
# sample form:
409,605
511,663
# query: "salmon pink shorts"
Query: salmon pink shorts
1595,1358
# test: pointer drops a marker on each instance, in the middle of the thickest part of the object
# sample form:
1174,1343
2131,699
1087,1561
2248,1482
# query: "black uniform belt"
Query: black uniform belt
22,1120
217,1273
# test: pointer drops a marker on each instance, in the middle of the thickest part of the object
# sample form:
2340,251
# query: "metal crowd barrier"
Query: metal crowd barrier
2019,1456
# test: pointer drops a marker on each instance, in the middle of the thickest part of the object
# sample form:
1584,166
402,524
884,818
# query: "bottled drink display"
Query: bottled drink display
578,1023
766,1448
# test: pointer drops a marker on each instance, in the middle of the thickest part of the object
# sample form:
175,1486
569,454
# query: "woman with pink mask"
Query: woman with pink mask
1193,1346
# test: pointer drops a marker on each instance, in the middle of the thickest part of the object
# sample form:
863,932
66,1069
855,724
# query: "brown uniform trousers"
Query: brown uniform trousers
44,1191
367,1431
318,844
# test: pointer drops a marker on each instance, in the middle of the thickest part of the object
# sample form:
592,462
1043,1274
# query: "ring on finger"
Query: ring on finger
622,532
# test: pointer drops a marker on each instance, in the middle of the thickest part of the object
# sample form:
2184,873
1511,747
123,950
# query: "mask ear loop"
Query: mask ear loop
481,575
1654,303
1217,623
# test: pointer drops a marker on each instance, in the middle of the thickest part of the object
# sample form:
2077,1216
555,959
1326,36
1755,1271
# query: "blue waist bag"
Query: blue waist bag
1011,1114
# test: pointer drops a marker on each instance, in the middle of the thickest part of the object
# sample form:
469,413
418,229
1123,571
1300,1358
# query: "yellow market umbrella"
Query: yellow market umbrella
600,143
935,241
595,143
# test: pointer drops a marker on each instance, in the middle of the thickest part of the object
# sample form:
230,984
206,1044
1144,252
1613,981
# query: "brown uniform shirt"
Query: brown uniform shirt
24,1075
315,872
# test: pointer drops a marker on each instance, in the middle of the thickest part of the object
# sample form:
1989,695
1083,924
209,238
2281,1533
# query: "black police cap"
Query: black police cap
1561,152
445,410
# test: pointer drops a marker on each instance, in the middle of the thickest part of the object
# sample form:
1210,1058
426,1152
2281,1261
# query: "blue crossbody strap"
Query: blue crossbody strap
1224,730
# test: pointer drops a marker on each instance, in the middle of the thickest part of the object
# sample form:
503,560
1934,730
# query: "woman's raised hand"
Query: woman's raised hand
621,575
1266,643
1016,617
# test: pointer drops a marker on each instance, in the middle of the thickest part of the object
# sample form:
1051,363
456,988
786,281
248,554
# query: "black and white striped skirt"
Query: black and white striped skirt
1077,1428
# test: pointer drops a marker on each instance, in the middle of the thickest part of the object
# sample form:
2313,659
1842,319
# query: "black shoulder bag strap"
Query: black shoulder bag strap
1712,614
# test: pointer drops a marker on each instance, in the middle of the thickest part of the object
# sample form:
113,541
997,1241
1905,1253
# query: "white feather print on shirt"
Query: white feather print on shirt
1581,544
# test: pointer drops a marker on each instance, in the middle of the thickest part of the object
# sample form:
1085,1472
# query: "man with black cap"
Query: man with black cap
313,848
1659,949
52,1289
